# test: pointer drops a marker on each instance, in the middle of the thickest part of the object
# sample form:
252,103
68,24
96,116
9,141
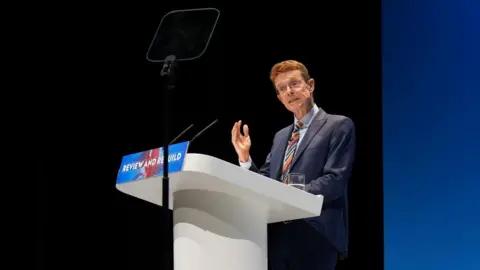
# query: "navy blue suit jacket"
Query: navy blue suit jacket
325,155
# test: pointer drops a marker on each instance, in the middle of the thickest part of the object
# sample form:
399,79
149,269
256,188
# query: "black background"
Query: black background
82,220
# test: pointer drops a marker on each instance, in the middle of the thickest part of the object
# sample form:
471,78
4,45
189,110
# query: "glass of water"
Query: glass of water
296,180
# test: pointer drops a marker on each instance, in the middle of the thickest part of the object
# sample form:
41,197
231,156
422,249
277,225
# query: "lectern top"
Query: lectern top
207,173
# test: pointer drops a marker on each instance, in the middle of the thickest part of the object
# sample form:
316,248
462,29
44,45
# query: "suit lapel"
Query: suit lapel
315,126
279,152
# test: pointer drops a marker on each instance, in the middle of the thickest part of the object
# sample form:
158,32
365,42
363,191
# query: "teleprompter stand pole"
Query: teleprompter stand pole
168,73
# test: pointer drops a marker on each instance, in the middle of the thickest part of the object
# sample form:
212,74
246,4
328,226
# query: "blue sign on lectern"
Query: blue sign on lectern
149,163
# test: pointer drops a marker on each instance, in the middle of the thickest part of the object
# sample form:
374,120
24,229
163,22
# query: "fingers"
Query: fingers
236,133
245,130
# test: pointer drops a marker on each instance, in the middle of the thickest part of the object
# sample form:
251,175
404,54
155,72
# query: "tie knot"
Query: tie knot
298,125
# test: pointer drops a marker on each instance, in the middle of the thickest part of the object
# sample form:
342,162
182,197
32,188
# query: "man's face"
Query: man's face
293,91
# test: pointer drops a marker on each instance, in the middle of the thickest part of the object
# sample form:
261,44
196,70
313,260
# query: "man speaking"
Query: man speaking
319,145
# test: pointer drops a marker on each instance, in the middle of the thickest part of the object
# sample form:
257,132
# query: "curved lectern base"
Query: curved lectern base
216,231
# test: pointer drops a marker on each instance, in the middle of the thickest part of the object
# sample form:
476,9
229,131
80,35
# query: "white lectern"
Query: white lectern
221,212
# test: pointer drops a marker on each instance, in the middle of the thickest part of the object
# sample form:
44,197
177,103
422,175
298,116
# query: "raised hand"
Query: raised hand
240,142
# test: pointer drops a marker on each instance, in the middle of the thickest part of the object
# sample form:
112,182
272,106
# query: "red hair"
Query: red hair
289,65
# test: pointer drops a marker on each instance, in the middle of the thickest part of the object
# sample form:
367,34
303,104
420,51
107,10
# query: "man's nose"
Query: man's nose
290,91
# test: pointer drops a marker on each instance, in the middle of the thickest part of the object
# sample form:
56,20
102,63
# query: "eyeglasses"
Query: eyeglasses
293,84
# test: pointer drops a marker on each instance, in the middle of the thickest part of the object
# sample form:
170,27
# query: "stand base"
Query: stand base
209,235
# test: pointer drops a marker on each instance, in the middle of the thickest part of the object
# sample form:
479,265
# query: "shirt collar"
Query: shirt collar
307,119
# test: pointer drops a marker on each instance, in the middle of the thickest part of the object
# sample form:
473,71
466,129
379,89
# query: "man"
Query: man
319,145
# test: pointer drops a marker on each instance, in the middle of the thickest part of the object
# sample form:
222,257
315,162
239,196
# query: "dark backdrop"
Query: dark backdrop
91,223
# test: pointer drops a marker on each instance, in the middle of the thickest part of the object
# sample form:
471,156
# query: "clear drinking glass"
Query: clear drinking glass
296,180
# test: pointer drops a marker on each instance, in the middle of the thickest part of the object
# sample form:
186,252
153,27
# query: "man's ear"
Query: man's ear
311,84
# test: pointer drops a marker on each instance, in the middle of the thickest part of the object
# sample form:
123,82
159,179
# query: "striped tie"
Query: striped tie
292,146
